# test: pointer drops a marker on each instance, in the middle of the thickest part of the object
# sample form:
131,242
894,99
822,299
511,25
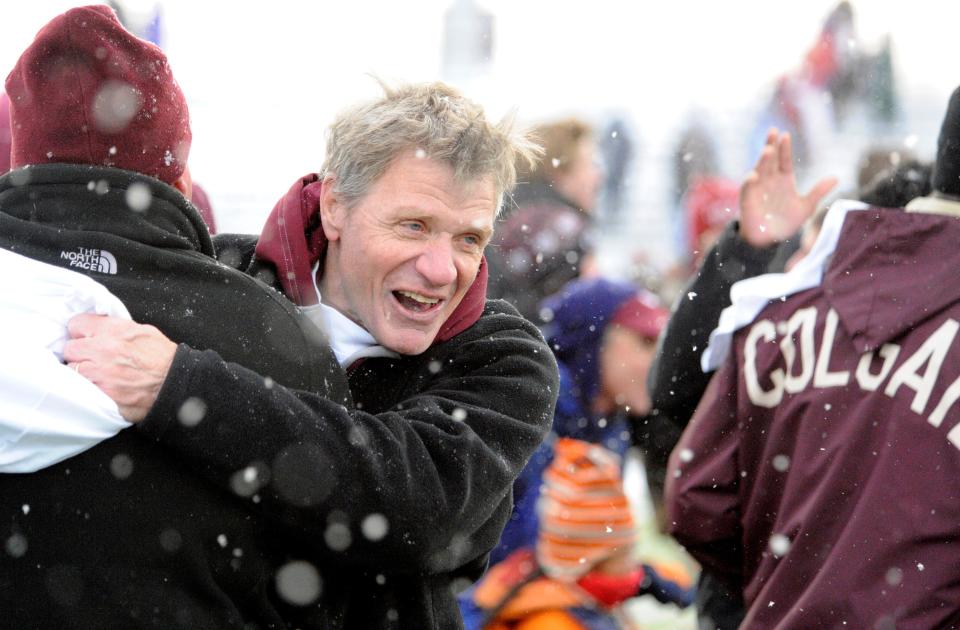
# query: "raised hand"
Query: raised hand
771,208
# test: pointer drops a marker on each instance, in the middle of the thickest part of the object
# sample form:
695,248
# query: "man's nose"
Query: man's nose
436,264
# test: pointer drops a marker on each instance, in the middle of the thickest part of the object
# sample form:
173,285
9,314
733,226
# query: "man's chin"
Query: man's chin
407,342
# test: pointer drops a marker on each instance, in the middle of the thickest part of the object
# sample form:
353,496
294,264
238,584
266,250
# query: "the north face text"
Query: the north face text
92,259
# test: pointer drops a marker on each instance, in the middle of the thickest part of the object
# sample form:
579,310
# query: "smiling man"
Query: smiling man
399,500
409,250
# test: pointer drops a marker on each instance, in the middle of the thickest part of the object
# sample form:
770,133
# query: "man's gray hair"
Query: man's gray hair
434,120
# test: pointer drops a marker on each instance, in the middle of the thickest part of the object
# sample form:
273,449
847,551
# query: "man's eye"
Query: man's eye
472,240
413,226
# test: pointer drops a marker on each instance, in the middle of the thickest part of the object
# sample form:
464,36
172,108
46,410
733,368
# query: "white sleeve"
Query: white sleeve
48,412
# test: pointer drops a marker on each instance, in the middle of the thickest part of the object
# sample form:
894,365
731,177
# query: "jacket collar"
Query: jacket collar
293,241
95,199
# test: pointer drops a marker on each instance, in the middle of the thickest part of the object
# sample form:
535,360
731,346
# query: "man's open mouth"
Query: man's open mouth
417,302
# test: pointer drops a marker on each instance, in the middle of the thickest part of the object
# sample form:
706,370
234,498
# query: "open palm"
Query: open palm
771,208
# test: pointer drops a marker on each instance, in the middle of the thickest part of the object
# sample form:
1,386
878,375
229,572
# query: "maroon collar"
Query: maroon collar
293,241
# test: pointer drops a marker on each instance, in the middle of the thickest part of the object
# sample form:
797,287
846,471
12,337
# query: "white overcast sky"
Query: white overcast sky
264,78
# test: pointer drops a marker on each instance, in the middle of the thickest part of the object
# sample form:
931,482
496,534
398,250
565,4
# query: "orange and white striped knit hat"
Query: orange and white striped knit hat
585,517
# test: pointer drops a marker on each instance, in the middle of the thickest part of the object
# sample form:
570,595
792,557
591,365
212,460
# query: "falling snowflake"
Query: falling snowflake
121,466
192,412
299,583
781,463
338,537
374,527
138,197
170,540
779,545
894,576
16,546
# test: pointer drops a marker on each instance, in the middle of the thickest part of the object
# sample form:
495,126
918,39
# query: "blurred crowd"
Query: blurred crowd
637,390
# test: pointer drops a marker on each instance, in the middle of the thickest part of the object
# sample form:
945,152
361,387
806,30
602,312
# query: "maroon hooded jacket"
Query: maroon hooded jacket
821,472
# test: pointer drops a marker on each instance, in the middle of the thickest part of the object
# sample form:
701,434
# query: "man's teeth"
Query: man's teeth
419,298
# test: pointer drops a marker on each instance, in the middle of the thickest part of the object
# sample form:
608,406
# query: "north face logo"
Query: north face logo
99,260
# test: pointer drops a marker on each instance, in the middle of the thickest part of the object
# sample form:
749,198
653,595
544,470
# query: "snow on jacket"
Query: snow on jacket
48,412
821,473
123,535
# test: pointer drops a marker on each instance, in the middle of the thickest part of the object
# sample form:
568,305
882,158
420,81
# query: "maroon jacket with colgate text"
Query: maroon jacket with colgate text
821,472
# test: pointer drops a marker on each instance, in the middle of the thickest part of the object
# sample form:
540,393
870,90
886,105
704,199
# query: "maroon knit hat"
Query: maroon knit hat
86,91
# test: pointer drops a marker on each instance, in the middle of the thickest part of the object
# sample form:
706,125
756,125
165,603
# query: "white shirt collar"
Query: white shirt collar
750,296
349,340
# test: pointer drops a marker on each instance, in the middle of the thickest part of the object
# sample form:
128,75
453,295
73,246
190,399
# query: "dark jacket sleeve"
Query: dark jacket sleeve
421,487
702,495
676,381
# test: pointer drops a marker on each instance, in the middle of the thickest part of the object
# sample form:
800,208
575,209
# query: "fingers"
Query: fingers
772,135
749,181
85,325
820,190
767,164
80,349
785,153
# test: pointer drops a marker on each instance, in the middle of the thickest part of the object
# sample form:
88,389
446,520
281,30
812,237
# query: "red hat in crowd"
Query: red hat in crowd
86,91
641,314
711,203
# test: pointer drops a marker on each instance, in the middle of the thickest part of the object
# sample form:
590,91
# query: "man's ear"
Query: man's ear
184,183
332,210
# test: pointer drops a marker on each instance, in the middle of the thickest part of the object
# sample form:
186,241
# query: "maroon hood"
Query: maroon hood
293,240
917,256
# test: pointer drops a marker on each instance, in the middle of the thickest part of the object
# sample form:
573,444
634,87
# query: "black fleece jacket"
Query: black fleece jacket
124,535
396,502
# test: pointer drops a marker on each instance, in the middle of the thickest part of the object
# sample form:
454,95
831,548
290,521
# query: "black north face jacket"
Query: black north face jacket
396,503
160,547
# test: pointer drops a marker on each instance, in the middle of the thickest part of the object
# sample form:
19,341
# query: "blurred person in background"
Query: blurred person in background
711,203
897,186
545,241
603,334
760,240
617,146
580,567
873,309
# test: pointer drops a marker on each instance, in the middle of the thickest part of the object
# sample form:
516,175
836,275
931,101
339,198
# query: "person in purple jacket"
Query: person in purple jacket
820,475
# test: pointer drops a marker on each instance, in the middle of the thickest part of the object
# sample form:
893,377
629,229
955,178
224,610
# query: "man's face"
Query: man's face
400,261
